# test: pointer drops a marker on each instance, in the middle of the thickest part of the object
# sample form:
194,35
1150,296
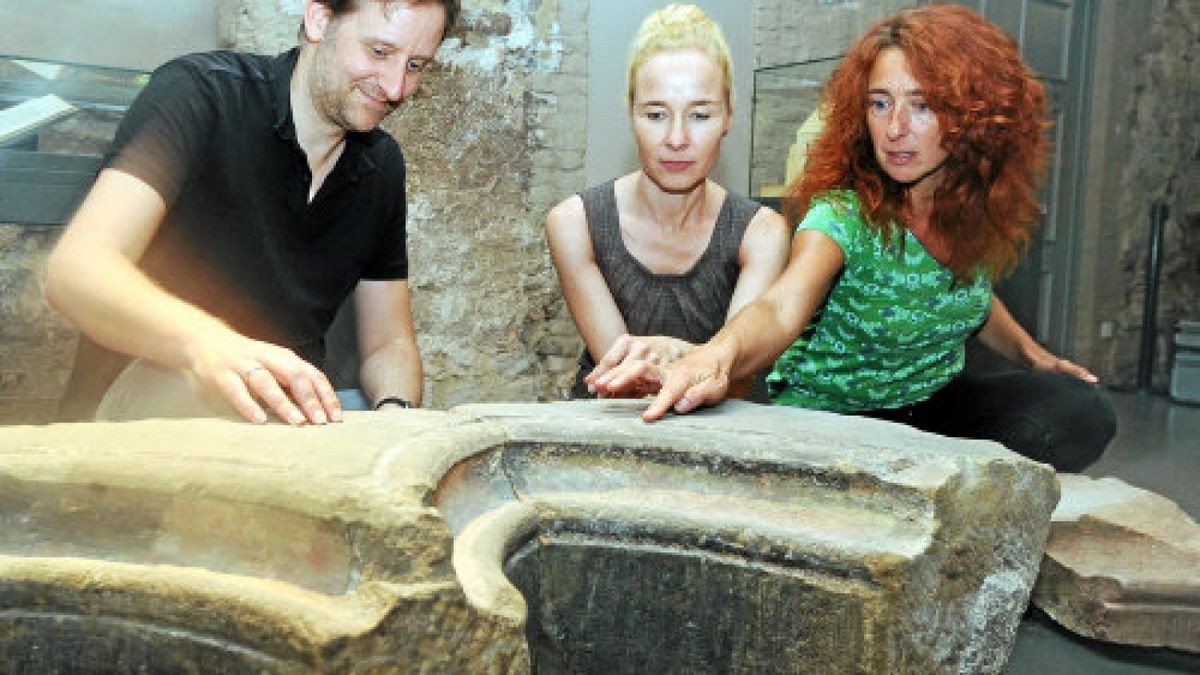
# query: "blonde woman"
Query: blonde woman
664,253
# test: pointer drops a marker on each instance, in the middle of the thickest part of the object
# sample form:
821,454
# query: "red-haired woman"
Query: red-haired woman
920,191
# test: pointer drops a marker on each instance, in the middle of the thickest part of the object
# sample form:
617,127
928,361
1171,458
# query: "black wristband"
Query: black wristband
403,403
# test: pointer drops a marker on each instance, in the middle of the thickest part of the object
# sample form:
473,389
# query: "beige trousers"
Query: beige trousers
144,390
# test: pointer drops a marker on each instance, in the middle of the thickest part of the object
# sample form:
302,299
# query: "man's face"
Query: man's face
368,60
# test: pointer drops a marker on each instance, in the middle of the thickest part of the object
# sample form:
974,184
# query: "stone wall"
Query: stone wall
35,342
37,346
493,140
1157,129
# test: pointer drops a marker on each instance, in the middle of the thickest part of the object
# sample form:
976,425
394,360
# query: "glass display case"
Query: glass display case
785,98
56,121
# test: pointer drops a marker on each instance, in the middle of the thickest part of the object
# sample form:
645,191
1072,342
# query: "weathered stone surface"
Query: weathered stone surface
740,539
204,546
1122,565
748,539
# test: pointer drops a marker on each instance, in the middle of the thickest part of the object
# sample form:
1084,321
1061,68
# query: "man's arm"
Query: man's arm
391,362
92,278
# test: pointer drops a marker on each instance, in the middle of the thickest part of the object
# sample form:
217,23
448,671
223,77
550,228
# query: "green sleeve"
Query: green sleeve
839,219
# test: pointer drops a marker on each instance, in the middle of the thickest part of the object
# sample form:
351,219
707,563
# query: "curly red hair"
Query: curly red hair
991,111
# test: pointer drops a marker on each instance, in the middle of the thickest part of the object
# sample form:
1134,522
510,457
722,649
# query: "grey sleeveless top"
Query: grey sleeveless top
691,306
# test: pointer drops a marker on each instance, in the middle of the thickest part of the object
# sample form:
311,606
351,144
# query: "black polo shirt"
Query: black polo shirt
213,134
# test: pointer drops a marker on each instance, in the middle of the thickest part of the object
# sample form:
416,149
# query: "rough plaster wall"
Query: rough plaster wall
37,347
1163,123
492,141
35,343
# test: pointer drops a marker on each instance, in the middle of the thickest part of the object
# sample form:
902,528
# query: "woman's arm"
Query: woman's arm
748,343
588,298
761,258
1005,336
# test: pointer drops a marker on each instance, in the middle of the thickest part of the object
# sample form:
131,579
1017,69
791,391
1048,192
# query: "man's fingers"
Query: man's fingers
327,396
303,393
1072,368
262,383
231,385
309,389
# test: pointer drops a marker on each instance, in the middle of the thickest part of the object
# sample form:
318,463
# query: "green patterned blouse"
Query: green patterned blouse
893,329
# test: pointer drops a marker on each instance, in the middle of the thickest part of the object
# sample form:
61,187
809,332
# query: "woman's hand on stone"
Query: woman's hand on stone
653,350
701,378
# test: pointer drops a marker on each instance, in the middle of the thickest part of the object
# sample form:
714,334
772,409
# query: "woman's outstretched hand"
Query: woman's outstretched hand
701,378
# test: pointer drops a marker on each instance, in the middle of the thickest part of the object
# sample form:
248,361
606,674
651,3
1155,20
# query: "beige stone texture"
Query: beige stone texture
571,535
1122,565
270,548
35,343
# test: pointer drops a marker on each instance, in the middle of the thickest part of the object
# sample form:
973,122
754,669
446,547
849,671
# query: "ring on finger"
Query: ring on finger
253,369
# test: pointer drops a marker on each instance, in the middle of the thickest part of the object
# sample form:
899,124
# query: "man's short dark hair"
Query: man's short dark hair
337,7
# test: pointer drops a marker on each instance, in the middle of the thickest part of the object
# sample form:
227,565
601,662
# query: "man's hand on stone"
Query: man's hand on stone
251,375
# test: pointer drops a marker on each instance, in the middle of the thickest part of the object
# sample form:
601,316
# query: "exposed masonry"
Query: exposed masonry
1163,122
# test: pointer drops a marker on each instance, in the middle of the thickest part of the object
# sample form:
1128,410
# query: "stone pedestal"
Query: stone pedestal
500,538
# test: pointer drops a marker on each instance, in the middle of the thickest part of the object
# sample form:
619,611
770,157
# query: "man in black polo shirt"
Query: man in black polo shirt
243,199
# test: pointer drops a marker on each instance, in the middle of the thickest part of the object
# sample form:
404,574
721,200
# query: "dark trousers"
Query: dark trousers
1054,419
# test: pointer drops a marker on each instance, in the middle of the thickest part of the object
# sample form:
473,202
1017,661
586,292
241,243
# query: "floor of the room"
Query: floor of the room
1157,448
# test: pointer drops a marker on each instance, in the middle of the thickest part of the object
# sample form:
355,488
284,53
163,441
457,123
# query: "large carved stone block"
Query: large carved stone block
500,538
1122,565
